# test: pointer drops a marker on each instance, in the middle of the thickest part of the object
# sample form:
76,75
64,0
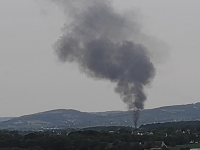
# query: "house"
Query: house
158,145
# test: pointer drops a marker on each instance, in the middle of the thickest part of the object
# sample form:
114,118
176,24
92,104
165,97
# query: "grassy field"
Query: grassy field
196,145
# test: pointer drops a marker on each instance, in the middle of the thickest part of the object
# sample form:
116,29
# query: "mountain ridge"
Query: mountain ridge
70,118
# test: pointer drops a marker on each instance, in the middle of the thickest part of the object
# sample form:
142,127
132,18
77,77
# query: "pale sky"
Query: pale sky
33,80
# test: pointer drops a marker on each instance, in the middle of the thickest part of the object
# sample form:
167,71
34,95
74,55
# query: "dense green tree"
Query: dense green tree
94,140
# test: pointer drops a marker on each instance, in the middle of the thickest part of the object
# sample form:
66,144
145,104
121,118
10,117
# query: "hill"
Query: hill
181,125
62,118
4,118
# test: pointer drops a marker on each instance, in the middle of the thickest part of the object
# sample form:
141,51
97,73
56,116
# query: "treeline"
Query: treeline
78,140
194,125
121,139
100,138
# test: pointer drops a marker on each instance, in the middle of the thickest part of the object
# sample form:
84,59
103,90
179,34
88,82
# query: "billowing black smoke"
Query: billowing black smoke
102,42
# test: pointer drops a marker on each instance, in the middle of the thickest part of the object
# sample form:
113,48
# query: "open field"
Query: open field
196,145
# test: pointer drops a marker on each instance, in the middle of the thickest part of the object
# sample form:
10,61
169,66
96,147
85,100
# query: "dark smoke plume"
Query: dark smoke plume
104,44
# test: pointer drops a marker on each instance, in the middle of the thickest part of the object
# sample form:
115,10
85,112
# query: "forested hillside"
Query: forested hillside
75,119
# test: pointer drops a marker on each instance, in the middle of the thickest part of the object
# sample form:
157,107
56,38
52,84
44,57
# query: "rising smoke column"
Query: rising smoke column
102,42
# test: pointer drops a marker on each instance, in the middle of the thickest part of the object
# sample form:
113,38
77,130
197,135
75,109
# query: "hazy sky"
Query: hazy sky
33,80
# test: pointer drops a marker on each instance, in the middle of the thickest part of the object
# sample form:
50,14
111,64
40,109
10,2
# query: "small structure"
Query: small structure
158,145
110,145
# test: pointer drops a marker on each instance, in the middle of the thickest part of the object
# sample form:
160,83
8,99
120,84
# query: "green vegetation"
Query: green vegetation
101,138
175,125
71,130
178,147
